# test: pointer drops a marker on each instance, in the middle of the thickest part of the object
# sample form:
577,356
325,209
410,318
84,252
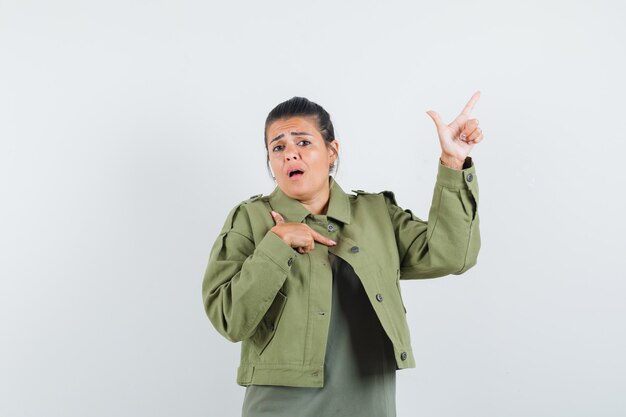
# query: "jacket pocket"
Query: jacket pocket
267,327
399,291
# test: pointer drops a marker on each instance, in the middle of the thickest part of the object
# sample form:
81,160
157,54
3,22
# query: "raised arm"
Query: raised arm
449,242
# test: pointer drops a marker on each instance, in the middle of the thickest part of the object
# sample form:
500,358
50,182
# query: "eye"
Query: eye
308,142
275,148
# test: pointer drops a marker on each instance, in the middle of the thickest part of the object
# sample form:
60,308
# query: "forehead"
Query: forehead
292,124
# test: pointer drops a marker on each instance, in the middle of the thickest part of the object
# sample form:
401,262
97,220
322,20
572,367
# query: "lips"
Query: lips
295,172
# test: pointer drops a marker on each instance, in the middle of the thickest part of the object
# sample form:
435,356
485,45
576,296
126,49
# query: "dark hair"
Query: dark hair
301,106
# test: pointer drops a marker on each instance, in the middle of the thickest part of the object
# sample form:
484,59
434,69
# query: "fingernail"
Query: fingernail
274,213
334,243
463,136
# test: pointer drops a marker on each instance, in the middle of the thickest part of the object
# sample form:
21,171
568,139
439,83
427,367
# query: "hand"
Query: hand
459,137
298,235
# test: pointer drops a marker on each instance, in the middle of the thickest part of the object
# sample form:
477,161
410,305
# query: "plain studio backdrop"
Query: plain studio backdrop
129,129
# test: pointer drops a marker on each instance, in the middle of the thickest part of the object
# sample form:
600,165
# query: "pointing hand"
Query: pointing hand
459,137
298,235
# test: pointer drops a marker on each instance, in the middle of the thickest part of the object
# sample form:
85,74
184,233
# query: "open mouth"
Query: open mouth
295,173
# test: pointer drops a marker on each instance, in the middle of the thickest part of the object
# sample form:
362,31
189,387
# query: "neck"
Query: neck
318,204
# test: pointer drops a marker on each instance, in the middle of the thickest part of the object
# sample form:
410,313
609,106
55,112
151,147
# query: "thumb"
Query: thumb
277,217
435,116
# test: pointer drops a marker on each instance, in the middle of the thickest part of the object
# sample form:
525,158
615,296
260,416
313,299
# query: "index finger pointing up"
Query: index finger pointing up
470,104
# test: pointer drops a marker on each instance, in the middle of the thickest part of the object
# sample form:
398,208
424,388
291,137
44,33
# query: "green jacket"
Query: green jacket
259,290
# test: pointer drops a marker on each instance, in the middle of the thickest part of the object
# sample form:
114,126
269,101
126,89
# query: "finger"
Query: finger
470,104
469,128
306,244
474,135
323,239
277,217
477,139
306,247
436,118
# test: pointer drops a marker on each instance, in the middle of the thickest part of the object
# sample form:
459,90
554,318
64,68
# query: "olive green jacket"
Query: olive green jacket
277,301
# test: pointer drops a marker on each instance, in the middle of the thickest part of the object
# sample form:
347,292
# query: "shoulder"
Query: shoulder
238,218
387,195
254,198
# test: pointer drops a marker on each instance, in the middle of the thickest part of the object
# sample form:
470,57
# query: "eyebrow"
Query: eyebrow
292,134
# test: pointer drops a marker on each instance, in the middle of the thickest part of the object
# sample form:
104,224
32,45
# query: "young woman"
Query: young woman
307,278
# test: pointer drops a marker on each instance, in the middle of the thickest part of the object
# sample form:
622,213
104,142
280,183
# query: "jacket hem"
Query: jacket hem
305,376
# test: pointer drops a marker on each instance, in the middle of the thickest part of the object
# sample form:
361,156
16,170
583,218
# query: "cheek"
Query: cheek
318,158
318,163
273,165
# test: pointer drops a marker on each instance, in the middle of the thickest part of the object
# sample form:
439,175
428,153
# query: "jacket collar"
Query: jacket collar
293,211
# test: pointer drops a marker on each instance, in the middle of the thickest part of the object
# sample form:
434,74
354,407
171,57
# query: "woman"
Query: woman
308,276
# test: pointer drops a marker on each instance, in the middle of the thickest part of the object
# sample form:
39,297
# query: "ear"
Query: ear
335,145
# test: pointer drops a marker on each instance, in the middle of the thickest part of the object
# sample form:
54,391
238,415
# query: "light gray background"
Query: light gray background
129,129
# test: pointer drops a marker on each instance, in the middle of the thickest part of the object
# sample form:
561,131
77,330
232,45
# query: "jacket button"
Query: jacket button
403,356
331,227
354,249
469,177
379,297
290,261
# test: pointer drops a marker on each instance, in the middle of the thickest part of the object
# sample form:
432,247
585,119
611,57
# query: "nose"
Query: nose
291,152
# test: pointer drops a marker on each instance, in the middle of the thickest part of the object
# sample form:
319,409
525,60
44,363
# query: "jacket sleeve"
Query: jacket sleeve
450,241
242,280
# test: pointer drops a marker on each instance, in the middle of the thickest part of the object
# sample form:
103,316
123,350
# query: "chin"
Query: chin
297,191
303,188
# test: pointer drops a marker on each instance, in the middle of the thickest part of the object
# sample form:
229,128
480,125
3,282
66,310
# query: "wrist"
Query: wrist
452,162
276,230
